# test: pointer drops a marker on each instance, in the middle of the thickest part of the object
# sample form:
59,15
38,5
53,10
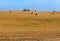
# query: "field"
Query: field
24,26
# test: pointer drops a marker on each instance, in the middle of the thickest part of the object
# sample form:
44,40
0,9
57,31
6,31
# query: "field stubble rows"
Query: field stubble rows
26,27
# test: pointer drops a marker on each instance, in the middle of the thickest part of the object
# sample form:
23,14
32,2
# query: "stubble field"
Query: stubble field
24,26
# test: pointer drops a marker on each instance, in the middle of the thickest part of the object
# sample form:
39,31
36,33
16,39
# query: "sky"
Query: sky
40,5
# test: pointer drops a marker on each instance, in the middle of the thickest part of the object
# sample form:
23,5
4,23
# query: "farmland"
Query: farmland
24,26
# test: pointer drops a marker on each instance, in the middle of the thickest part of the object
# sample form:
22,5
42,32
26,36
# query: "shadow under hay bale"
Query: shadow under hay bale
31,12
1,11
10,11
53,13
37,14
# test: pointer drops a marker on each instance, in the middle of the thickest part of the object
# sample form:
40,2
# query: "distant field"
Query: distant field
24,26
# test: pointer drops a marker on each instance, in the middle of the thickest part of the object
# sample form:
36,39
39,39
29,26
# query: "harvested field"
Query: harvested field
24,26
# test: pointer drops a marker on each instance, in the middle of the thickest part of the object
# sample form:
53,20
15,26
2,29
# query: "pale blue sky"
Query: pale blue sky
42,5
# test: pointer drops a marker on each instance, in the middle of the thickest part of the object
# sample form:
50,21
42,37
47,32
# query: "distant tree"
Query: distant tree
54,11
26,9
